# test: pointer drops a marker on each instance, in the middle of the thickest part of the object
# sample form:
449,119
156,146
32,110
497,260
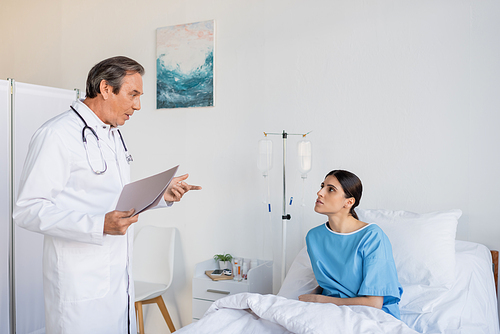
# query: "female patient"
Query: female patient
352,260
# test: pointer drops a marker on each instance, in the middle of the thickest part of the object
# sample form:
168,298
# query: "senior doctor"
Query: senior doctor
68,192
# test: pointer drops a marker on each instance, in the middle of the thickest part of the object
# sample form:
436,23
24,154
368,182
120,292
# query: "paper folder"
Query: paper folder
146,193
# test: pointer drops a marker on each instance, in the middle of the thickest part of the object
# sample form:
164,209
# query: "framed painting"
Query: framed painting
185,65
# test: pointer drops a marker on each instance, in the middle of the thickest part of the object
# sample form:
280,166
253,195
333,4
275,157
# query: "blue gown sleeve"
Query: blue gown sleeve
380,277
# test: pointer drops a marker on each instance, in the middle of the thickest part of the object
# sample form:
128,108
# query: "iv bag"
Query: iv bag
304,151
265,156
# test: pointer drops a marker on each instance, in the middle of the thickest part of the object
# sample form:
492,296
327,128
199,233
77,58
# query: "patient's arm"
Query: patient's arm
373,301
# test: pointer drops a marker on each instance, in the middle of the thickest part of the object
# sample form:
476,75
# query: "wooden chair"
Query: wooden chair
494,259
153,270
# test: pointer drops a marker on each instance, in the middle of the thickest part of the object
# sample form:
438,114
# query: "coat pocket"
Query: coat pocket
84,273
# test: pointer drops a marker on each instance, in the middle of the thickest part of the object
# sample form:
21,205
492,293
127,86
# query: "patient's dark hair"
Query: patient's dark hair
351,185
112,70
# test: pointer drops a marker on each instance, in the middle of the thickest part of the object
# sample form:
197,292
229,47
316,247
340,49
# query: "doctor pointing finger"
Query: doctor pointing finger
177,188
75,170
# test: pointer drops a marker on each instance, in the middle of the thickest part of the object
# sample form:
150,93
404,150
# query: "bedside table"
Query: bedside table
206,291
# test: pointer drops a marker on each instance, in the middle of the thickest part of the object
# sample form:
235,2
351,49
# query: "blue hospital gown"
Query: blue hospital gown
355,264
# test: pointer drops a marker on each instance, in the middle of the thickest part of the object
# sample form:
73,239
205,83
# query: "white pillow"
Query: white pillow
300,277
423,245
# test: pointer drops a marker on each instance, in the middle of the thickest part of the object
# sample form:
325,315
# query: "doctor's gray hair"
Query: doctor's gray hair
112,70
351,185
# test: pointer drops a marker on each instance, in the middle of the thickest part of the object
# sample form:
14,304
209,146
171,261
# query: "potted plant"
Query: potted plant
224,260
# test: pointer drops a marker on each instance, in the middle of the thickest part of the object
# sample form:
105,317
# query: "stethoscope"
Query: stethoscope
84,139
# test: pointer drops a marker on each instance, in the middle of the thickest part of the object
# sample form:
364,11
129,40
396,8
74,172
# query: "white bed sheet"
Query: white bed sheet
252,313
469,307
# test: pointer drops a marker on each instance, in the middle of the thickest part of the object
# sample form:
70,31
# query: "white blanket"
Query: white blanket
261,314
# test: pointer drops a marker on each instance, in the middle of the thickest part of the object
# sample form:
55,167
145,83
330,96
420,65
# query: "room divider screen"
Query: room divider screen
4,205
30,107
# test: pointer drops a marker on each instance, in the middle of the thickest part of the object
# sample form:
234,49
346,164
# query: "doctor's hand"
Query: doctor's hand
117,222
177,188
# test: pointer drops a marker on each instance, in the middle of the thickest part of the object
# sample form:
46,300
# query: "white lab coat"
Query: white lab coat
88,282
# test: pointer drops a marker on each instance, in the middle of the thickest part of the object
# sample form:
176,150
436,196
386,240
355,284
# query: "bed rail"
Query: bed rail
494,259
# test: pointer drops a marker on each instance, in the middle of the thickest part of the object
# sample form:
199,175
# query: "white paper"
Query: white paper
144,194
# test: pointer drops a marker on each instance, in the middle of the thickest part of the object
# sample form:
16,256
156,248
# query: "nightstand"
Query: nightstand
206,291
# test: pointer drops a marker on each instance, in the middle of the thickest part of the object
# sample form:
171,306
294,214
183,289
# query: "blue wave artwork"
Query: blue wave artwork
185,66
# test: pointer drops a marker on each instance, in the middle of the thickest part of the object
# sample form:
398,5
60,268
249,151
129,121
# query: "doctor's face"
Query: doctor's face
126,102
331,197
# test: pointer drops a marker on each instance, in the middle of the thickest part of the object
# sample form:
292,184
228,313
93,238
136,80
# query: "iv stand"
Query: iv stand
285,216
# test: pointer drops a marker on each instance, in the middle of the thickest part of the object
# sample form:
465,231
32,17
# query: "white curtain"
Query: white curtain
33,105
4,205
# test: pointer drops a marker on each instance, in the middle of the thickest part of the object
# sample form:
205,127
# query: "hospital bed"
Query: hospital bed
449,288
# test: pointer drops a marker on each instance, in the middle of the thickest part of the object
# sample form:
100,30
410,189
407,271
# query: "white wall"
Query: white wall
403,93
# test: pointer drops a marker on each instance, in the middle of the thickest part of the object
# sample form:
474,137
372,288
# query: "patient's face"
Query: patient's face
331,197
